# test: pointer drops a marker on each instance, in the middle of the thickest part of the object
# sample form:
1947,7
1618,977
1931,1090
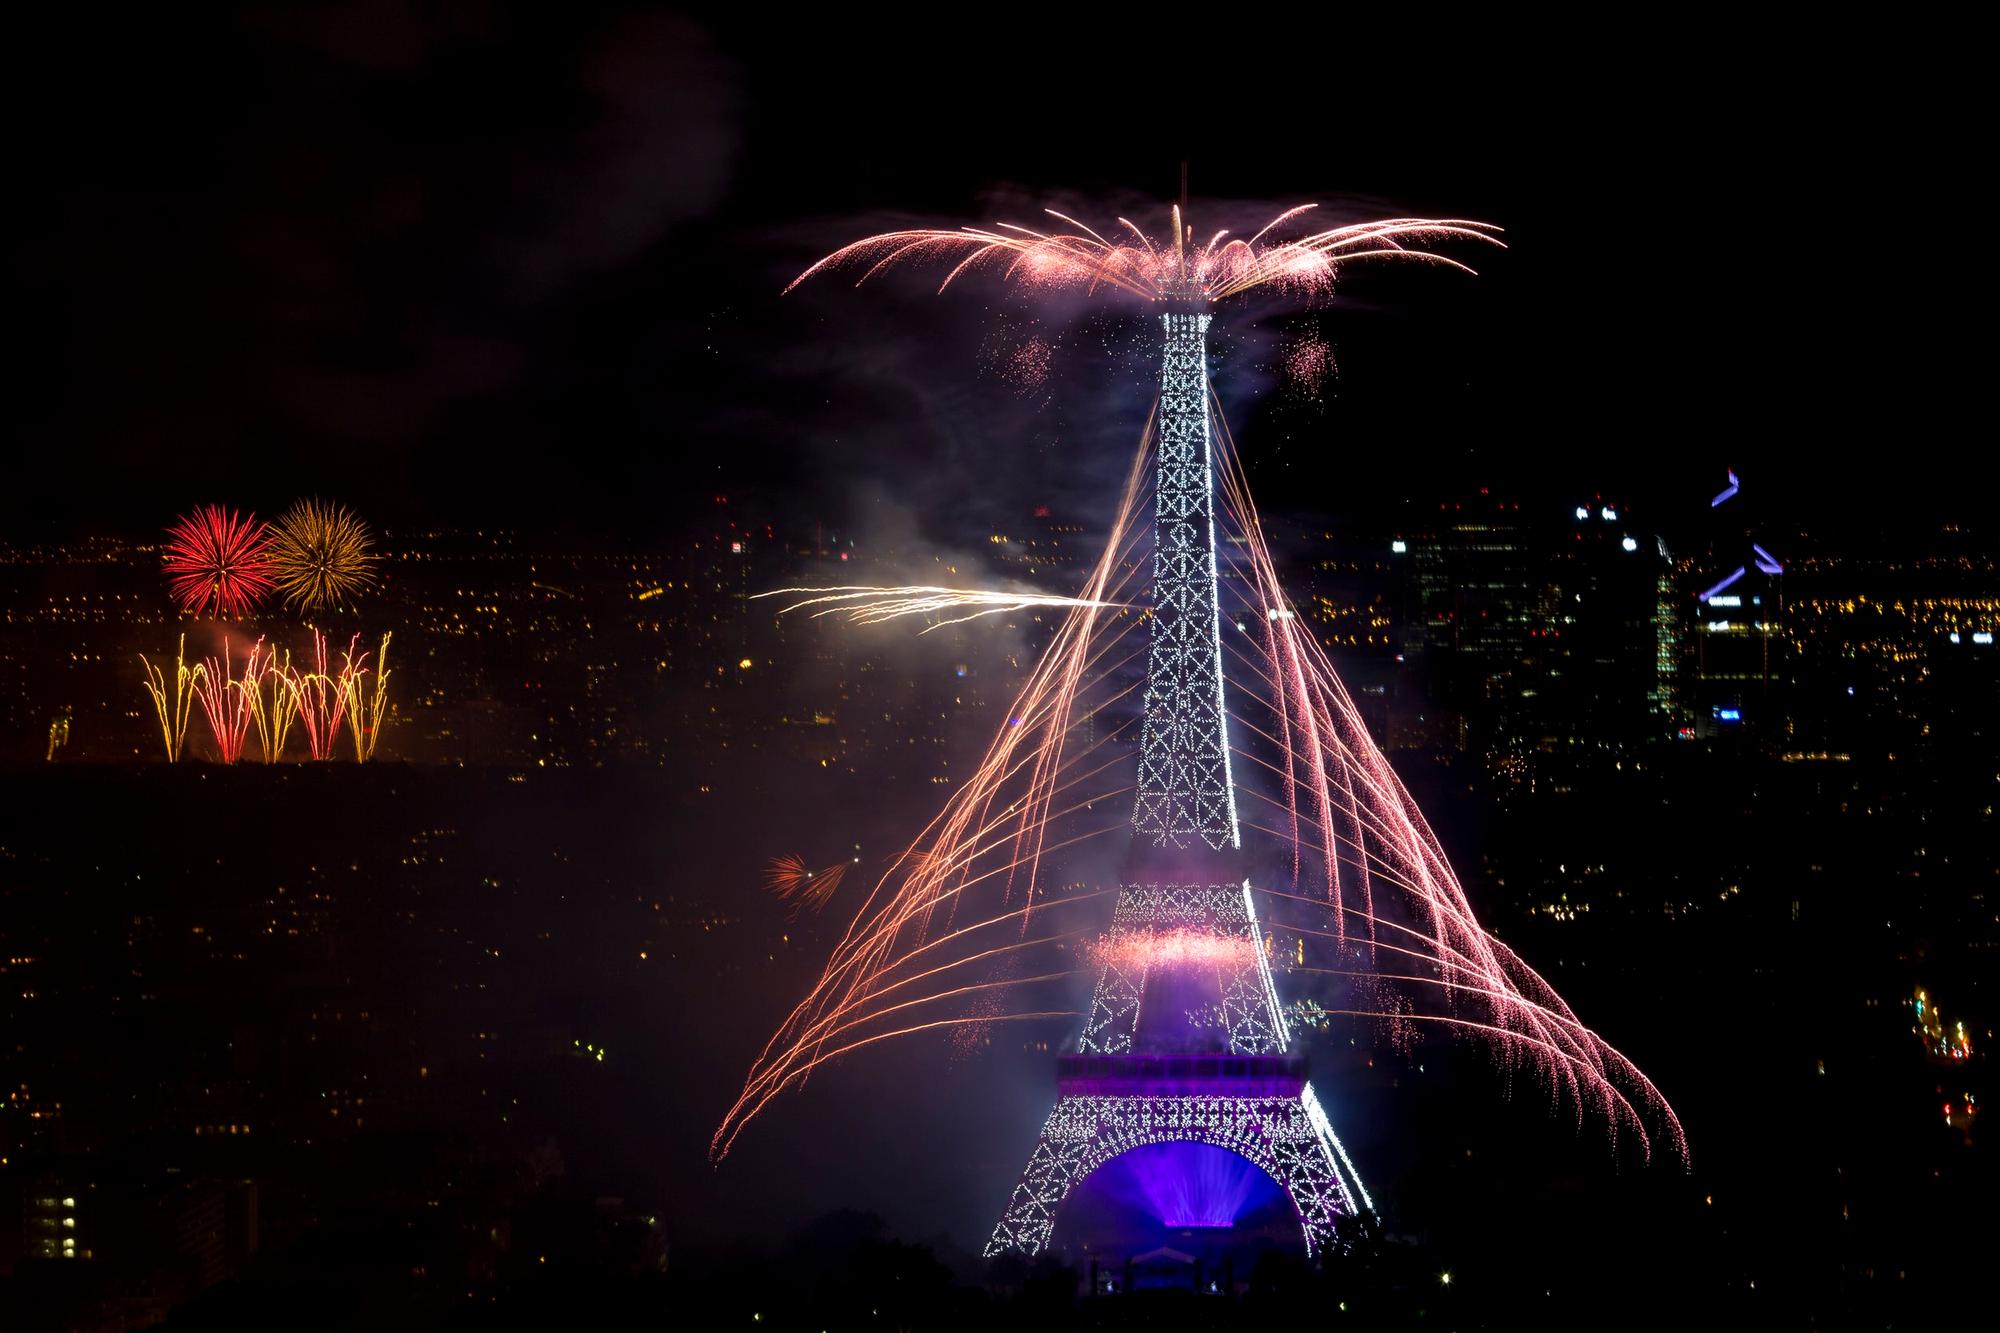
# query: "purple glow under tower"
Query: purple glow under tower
1185,1042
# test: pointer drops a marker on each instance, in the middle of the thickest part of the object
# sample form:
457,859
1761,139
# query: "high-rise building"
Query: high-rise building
1542,632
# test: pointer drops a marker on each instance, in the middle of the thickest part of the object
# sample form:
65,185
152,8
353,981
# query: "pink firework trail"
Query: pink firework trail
320,696
967,893
1080,258
1360,845
965,930
1139,951
229,702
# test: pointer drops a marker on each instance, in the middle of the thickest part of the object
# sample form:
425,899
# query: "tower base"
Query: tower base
1270,1117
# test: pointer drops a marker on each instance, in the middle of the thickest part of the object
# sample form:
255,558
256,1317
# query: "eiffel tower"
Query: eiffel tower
1185,1042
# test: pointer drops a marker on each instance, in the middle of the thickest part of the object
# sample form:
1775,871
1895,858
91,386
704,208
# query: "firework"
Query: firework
1140,950
218,561
1308,363
969,896
1028,368
933,914
366,704
273,707
320,698
323,556
1358,838
227,701
866,605
172,712
789,877
1156,269
970,892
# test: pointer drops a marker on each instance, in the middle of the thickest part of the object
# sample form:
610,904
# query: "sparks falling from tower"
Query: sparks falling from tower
1216,1064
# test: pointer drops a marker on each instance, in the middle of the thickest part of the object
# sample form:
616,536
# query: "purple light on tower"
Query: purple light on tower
1730,490
1190,1184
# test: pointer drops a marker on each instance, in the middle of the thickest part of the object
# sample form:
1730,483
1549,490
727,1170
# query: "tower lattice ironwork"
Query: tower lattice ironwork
1186,1041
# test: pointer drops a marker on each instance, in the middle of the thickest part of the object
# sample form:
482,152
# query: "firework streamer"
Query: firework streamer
173,710
219,562
366,703
868,605
1082,260
319,699
968,898
273,706
1357,830
967,892
226,701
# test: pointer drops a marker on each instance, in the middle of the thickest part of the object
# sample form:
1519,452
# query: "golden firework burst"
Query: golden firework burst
323,555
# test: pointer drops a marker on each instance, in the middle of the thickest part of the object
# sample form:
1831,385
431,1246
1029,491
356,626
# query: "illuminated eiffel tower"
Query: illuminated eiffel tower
1186,1042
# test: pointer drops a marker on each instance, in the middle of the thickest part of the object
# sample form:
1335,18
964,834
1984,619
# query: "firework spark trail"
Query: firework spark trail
1042,707
323,556
320,698
1139,950
1356,836
1343,807
173,713
941,875
1303,267
894,923
216,560
273,706
227,701
867,605
1314,715
366,706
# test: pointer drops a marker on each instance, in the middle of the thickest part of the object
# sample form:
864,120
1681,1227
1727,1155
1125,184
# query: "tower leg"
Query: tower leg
1288,1138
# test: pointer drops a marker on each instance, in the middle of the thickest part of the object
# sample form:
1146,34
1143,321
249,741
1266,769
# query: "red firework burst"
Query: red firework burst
218,560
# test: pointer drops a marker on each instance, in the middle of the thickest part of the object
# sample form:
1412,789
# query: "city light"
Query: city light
1741,570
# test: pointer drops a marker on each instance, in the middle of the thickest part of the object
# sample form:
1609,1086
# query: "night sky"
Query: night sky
521,265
